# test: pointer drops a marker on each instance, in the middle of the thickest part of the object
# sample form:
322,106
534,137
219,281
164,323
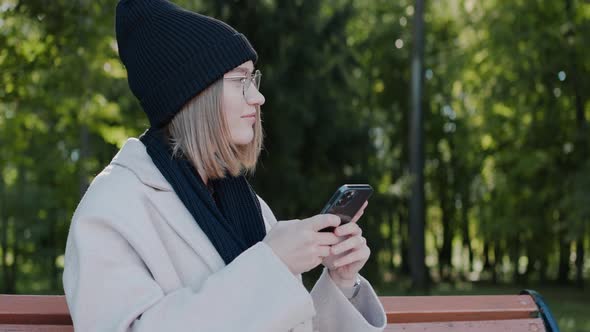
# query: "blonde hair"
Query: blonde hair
200,133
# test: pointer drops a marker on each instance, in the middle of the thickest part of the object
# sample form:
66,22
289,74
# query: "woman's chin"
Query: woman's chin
244,139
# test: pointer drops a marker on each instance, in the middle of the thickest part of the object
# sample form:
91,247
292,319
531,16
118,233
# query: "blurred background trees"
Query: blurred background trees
506,117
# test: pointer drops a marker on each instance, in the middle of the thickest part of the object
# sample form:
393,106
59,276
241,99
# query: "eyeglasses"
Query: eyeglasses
247,80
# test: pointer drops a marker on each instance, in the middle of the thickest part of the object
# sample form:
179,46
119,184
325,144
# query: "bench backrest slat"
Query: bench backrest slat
34,310
49,313
516,325
412,309
36,328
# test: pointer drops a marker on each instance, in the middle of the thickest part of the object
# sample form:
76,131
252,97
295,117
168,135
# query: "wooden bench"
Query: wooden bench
526,312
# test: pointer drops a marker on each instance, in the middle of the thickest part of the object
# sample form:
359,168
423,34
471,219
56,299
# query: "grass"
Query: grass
570,306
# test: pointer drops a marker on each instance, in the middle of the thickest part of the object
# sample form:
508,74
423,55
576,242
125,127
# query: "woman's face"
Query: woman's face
239,108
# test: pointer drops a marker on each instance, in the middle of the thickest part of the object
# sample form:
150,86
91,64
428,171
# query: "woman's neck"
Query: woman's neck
205,180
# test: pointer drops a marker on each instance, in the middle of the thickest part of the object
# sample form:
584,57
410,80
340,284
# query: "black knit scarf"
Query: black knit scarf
232,221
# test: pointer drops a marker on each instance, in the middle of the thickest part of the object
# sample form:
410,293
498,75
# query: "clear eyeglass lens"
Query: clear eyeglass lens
254,78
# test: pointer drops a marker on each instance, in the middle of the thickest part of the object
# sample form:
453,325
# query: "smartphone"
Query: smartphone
346,202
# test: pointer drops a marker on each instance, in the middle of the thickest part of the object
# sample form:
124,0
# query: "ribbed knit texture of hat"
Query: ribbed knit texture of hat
172,54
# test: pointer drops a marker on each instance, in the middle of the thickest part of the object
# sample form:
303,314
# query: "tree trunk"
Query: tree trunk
417,213
54,272
444,257
84,153
486,255
403,226
17,230
514,256
564,259
543,269
9,225
465,206
580,262
4,239
392,235
530,266
11,285
497,262
7,271
446,207
582,128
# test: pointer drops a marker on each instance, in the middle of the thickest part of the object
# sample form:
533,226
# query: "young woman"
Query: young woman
170,236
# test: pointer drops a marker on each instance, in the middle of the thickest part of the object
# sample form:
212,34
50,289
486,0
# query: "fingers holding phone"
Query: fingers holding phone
347,230
349,238
299,244
319,221
348,256
354,239
351,253
359,214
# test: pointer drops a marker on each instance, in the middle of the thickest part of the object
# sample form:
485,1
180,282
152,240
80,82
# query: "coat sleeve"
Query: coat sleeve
109,288
335,312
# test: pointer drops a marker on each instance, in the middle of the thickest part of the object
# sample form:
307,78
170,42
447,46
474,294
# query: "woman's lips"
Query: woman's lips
250,117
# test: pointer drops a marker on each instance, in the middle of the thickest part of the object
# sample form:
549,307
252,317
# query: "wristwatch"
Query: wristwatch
351,293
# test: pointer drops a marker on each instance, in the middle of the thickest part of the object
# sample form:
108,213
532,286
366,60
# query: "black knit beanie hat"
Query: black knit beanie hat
172,54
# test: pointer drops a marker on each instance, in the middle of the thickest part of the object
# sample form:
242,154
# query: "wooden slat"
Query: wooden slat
512,325
412,309
34,310
36,328
42,311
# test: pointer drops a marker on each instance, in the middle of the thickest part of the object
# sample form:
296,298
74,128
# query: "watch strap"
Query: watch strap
352,292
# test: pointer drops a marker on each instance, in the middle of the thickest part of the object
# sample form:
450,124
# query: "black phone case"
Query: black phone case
346,202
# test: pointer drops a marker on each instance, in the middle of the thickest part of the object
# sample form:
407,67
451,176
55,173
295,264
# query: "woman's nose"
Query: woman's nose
255,97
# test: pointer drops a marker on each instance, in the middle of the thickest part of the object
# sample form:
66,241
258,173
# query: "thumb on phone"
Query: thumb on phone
322,221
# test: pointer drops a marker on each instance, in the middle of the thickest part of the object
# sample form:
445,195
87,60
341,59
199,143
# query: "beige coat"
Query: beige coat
137,261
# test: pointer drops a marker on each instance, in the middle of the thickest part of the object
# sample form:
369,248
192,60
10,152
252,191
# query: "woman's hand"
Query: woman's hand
349,255
300,244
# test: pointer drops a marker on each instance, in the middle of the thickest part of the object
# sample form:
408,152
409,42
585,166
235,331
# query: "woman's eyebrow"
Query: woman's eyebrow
243,70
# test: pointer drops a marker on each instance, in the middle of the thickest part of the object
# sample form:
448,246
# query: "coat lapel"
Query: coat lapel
179,218
134,157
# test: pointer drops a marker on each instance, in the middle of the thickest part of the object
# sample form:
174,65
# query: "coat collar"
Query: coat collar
133,156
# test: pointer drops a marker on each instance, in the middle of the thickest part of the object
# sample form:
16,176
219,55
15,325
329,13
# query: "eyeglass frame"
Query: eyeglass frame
248,79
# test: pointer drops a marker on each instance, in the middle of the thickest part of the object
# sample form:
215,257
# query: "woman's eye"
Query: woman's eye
238,81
